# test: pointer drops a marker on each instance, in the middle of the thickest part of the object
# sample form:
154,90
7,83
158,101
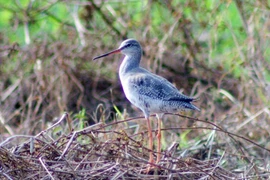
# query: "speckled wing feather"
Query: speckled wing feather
156,87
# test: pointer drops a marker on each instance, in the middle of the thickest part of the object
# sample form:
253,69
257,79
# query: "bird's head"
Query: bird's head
127,47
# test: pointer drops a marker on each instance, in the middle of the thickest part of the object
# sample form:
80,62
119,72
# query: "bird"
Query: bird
149,92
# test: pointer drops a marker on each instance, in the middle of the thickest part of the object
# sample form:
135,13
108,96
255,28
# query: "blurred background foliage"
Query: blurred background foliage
215,49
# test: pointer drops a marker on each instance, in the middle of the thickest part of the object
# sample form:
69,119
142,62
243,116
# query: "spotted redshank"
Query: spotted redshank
149,92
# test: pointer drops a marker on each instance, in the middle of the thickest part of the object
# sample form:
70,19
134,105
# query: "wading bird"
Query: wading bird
149,92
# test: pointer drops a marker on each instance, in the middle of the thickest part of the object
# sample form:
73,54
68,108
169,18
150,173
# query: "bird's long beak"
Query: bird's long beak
107,54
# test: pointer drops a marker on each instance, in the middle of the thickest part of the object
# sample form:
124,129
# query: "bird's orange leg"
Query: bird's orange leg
150,136
159,141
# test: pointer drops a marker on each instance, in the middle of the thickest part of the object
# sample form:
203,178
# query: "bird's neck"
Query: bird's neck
130,62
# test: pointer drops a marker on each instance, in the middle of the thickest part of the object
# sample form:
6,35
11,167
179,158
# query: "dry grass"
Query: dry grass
230,140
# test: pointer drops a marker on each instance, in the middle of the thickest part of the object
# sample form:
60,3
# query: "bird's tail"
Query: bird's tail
195,107
186,102
194,99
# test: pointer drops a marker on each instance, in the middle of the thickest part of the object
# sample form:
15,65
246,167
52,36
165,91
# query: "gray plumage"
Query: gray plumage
149,92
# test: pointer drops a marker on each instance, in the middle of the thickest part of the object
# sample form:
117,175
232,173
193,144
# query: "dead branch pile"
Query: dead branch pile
98,151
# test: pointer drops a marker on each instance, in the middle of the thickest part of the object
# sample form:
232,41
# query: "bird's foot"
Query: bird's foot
150,166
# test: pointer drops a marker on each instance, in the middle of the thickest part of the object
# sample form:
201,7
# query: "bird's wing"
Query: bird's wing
156,87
